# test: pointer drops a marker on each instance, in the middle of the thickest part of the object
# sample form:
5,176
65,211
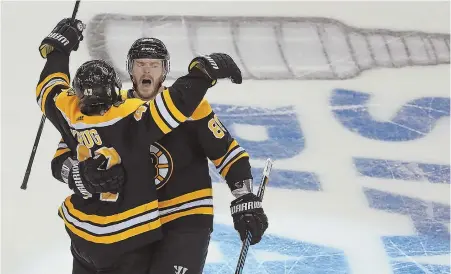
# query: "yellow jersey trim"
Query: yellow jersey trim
115,237
68,105
202,111
103,220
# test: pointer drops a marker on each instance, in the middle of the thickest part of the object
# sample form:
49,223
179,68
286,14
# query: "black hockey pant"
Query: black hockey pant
180,251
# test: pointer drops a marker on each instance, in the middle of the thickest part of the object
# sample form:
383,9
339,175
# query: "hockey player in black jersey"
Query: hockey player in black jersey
113,216
180,160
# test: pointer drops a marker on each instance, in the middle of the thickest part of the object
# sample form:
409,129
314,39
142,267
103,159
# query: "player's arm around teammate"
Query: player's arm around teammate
55,78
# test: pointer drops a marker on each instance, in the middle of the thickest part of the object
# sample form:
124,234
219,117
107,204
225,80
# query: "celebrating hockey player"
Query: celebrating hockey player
180,160
113,218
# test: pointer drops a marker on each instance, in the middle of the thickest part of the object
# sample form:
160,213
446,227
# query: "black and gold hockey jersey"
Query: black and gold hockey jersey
180,161
185,195
115,223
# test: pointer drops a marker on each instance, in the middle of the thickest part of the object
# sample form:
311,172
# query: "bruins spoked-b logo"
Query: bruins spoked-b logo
163,164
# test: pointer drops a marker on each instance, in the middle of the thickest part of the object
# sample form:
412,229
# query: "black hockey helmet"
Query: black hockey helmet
151,48
97,86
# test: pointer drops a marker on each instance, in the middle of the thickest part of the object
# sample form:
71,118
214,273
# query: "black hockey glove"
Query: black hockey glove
65,37
88,177
217,66
248,215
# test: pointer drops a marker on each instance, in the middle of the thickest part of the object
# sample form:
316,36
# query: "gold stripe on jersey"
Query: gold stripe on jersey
47,79
68,106
233,154
194,211
46,85
202,111
172,108
46,90
225,170
197,202
60,152
207,192
109,239
219,161
157,117
110,229
164,104
166,115
104,220
165,111
62,148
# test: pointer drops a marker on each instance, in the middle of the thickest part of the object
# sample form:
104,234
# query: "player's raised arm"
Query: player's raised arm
56,48
172,106
211,67
53,81
54,78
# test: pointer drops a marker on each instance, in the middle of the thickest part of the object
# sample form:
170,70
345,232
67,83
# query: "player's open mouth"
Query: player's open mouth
146,81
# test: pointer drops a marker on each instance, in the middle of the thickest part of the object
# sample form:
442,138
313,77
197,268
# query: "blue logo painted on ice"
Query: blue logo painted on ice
285,140
420,252
414,120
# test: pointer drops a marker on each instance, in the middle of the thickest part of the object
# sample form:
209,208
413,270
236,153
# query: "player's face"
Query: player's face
147,74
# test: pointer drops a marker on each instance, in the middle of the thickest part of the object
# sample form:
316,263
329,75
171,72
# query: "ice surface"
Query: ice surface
361,179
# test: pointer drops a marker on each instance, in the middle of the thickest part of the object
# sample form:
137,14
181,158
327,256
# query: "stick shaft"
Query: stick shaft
247,240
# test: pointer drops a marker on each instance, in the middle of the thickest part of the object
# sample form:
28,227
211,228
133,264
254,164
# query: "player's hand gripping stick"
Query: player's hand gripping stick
248,236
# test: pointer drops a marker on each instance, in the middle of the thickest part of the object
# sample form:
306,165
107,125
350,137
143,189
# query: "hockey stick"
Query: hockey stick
41,125
247,240
33,153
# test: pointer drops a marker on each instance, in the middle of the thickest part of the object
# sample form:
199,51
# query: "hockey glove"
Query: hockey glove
65,37
88,177
217,66
248,215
